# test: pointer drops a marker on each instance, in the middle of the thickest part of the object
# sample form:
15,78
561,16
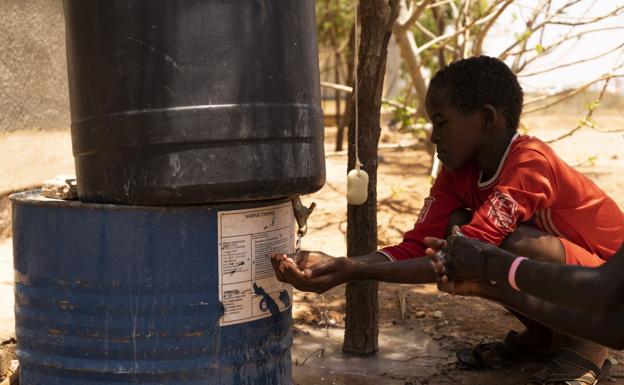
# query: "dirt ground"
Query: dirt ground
417,346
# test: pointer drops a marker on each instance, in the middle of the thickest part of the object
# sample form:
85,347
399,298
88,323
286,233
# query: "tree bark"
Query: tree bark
377,18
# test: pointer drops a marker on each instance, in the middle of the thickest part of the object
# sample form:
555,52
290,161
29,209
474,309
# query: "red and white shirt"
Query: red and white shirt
532,185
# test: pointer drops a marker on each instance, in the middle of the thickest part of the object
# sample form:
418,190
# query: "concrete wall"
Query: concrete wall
33,69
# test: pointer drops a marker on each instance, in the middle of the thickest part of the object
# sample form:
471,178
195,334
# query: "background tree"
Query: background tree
432,33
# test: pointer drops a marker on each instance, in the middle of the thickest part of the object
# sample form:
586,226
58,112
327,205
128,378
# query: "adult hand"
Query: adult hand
466,258
314,271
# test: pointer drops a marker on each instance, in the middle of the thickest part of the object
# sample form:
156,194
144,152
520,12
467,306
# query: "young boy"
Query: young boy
501,187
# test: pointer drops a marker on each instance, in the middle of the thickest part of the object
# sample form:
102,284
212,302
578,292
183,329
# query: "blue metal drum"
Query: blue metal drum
122,295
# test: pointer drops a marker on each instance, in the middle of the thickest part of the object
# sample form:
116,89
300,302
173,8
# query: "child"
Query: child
501,187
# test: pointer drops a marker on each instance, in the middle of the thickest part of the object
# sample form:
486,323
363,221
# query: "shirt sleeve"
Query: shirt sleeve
526,183
432,220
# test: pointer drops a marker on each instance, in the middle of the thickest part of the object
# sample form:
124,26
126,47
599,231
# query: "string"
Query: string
358,164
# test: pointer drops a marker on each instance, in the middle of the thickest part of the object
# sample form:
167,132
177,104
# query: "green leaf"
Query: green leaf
539,48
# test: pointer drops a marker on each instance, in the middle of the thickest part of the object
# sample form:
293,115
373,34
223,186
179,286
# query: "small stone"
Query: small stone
437,314
14,365
420,314
62,187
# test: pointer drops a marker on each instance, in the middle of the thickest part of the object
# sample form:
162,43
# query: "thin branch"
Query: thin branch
430,34
541,37
553,14
413,14
390,102
439,3
424,30
534,28
478,48
587,120
615,130
570,93
576,23
451,35
454,10
560,66
524,41
466,38
564,39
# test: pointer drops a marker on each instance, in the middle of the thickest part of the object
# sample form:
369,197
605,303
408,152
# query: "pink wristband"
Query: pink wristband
512,272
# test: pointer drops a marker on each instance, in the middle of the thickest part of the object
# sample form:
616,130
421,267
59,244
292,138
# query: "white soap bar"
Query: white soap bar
357,187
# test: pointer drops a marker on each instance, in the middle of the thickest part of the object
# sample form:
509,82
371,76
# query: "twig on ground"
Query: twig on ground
322,350
402,297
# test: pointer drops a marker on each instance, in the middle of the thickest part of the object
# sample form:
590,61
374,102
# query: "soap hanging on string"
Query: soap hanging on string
357,179
357,186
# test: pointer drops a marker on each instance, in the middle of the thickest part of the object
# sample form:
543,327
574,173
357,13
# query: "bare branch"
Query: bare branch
432,35
576,23
347,89
564,39
535,27
541,37
440,3
555,14
573,62
466,37
478,48
448,36
454,10
564,95
525,39
412,14
587,120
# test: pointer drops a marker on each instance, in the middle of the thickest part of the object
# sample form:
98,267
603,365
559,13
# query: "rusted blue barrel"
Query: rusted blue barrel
150,295
192,101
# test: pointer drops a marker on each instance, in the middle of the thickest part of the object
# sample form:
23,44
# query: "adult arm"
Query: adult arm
596,290
606,330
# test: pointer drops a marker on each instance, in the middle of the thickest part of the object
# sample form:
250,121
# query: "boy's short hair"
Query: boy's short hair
477,81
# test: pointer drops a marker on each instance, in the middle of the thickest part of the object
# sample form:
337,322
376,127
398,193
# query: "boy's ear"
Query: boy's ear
490,117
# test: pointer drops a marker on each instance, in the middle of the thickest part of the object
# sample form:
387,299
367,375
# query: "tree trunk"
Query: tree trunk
377,18
349,81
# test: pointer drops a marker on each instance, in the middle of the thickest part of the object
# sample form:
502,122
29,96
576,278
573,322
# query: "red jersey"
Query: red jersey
532,185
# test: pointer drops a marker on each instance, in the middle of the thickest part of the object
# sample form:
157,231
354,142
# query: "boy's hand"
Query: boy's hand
464,257
314,271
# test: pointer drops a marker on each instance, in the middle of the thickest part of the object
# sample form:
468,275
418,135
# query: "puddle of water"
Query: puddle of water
403,354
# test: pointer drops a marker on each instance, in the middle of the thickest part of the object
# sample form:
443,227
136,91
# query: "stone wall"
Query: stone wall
33,68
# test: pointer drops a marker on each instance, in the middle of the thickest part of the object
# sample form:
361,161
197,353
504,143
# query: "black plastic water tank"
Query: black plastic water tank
194,101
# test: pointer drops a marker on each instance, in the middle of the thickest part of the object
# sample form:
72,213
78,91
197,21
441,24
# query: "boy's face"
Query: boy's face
457,135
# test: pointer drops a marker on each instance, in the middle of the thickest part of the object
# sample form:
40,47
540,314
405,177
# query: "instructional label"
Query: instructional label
248,287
